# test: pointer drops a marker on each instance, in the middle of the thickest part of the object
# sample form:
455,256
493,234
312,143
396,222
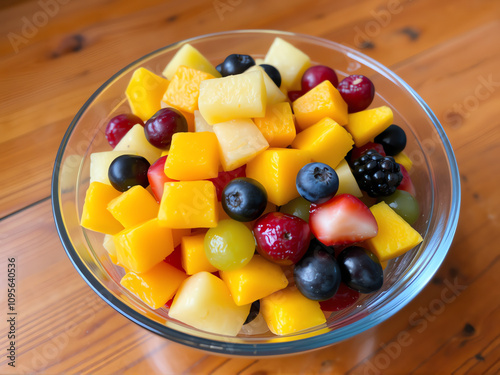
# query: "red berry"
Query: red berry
119,125
357,91
357,152
157,177
294,95
313,76
406,183
175,258
344,298
224,178
342,220
160,128
281,238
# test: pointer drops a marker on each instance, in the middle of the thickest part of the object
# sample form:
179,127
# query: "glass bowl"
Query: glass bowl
435,176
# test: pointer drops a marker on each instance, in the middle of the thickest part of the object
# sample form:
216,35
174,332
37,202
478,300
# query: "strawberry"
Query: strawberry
342,220
282,238
406,184
157,177
223,178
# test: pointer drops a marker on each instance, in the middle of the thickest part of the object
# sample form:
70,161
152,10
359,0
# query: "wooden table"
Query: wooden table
55,53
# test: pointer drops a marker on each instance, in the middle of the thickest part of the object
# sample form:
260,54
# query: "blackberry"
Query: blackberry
378,175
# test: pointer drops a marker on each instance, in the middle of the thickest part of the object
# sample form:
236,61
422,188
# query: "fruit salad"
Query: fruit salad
253,195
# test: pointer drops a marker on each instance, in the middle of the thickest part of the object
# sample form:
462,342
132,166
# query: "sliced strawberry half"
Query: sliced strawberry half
157,177
342,220
406,183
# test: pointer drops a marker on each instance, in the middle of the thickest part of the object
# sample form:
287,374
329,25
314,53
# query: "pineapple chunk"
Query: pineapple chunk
255,280
144,93
347,182
366,125
239,142
100,162
200,124
233,97
189,56
395,236
273,92
136,143
204,302
326,141
110,247
288,311
290,62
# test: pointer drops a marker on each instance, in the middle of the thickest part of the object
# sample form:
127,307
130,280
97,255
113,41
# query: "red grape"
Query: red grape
344,298
160,128
357,91
119,125
313,76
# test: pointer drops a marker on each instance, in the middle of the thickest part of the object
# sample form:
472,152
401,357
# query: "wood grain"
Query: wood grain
447,51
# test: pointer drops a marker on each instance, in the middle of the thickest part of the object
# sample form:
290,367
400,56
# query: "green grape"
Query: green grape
405,205
230,245
298,207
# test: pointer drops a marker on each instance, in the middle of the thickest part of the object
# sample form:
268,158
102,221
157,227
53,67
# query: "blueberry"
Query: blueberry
236,64
127,171
273,73
317,182
317,274
361,270
219,68
244,199
393,139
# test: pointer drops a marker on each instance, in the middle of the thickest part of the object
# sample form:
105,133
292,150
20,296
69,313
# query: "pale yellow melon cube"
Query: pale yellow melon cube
189,56
100,162
136,143
200,124
274,94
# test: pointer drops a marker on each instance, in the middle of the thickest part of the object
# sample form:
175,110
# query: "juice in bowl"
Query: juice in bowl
195,218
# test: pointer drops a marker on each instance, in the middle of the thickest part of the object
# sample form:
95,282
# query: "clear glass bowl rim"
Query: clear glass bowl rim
286,347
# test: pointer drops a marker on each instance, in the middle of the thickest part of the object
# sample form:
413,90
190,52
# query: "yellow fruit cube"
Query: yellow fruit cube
204,302
133,207
290,62
404,160
144,93
136,143
156,286
257,279
188,204
184,88
193,156
110,247
322,101
277,170
273,92
95,216
194,259
141,247
366,125
100,162
239,141
233,97
395,236
177,235
200,124
278,125
288,311
326,141
347,182
189,56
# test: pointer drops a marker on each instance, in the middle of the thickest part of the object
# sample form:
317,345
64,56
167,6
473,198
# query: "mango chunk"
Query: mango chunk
288,311
277,170
188,204
189,56
278,125
141,247
322,101
177,235
233,97
156,286
134,207
239,141
290,61
404,160
95,216
193,156
395,236
326,141
366,125
257,279
204,302
144,93
194,258
184,88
